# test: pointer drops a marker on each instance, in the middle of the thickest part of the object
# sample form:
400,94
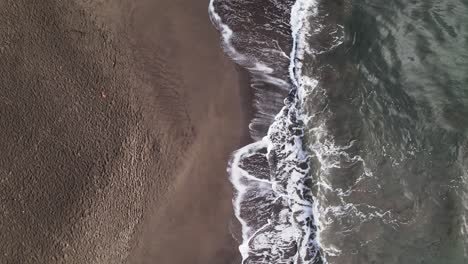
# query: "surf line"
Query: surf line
302,210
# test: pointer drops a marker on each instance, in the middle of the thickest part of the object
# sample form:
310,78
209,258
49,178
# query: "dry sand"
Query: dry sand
117,119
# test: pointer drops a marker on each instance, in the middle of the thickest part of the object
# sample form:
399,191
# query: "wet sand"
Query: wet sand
117,120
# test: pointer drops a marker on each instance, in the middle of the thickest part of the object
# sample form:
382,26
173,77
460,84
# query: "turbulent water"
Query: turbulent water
360,129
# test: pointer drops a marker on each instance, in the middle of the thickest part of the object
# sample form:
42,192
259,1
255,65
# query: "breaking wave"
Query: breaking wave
273,201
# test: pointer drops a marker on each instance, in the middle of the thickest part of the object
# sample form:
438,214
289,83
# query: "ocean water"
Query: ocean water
361,124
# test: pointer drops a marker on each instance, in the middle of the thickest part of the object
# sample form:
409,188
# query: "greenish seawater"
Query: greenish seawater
388,124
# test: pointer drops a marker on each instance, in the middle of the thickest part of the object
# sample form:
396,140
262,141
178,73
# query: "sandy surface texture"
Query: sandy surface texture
117,119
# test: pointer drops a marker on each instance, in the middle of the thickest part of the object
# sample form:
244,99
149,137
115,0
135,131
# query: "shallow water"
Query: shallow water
366,158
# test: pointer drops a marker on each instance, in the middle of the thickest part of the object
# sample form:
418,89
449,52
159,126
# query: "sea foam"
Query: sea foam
273,200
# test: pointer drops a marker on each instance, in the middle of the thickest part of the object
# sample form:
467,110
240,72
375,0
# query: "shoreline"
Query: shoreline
247,96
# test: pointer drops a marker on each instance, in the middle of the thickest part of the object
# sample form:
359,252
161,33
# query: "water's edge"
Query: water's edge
273,200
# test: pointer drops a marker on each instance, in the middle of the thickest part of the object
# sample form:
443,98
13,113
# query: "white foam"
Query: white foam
260,73
226,35
289,184
300,13
259,69
236,176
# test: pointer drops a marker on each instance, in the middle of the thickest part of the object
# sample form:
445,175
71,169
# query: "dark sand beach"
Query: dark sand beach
117,119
